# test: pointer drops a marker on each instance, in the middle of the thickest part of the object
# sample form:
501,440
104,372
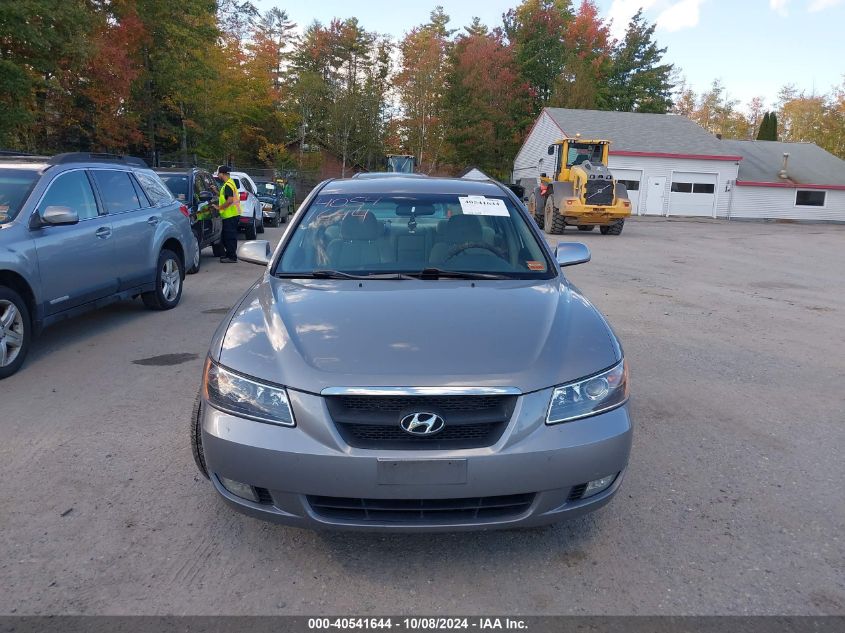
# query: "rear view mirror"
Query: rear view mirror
572,253
255,252
57,215
551,150
206,196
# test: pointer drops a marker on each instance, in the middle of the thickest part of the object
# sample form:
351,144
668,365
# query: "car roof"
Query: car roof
411,184
36,163
387,174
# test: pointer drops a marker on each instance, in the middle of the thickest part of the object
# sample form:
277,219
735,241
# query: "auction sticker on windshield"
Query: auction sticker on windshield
481,205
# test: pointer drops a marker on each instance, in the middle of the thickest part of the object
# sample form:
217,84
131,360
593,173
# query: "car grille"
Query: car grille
373,421
421,511
378,433
440,404
599,192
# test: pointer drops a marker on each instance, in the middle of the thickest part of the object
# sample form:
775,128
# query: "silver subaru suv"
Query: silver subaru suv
413,358
78,231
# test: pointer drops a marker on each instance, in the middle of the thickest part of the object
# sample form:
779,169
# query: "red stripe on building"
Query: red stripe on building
788,185
621,152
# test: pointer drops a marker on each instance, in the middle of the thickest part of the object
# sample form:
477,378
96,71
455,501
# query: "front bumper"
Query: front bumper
312,460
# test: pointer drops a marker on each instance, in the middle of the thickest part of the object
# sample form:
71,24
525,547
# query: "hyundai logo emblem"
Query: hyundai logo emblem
422,423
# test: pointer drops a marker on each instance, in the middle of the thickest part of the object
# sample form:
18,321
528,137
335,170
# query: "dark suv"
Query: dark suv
275,206
198,190
78,231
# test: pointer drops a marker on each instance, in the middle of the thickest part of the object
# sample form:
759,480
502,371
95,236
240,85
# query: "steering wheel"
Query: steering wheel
460,248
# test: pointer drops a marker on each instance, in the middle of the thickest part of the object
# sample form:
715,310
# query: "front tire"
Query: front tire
196,436
15,331
169,276
555,222
612,229
261,224
197,262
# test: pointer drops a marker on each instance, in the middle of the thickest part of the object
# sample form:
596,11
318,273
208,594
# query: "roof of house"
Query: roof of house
808,163
639,133
474,173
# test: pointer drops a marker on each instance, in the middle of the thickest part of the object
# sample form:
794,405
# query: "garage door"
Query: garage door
631,179
692,193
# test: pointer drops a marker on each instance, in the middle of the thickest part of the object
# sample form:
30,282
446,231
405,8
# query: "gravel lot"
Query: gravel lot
732,503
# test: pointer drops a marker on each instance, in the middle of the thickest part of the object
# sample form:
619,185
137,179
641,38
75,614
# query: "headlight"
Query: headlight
246,397
589,396
267,206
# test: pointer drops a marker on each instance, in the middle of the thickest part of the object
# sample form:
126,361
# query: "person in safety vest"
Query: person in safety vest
230,212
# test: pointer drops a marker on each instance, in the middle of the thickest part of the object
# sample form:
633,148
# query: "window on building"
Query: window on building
810,198
681,187
630,185
703,187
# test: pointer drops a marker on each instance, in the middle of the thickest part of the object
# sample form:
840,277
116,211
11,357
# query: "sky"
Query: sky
754,46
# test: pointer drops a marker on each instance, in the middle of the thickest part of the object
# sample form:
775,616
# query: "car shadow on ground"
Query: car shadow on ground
85,328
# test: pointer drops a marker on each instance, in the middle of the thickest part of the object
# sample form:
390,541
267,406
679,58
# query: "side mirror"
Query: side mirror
572,253
255,252
543,174
206,196
551,150
57,216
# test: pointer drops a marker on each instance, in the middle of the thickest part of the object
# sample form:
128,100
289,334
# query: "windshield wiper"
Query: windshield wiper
337,274
439,273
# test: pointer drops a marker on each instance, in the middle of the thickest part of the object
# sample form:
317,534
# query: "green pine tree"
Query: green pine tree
762,135
773,127
639,80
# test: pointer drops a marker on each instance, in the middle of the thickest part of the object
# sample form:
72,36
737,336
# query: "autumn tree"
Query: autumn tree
105,109
535,30
587,61
339,88
44,45
488,103
420,85
176,70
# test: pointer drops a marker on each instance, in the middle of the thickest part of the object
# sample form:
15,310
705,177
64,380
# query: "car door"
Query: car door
76,261
253,197
200,209
215,224
132,223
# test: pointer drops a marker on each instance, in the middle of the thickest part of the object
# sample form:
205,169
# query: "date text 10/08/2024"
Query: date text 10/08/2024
412,624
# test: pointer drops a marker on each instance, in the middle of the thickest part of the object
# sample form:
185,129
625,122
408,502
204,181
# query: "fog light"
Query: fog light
238,489
598,485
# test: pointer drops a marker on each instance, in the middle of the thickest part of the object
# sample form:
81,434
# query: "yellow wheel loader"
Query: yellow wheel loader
580,192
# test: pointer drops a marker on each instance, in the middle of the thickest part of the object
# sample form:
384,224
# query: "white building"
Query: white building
795,181
669,164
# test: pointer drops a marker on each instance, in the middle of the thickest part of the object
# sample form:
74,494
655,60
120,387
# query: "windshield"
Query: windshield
266,188
383,233
177,183
583,152
15,185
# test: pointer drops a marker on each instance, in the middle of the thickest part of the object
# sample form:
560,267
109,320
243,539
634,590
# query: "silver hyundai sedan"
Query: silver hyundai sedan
413,359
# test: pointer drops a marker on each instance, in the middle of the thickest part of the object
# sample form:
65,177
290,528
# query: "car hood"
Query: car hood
314,334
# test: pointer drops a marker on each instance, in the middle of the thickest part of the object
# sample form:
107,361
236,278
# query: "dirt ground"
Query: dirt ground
735,333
